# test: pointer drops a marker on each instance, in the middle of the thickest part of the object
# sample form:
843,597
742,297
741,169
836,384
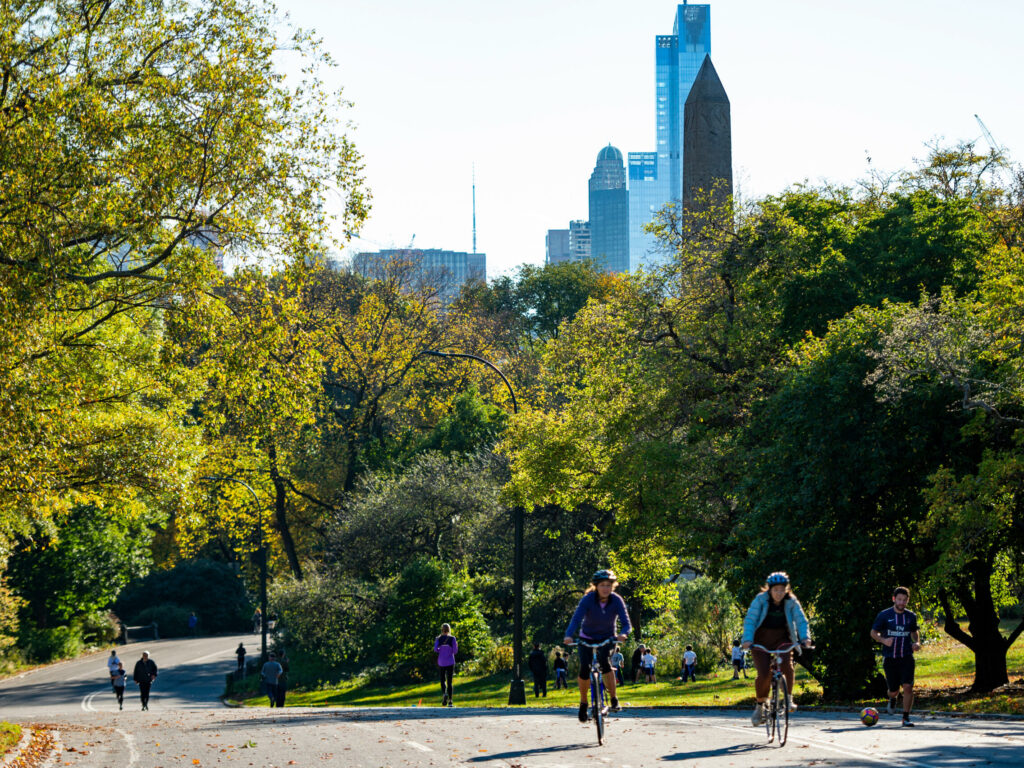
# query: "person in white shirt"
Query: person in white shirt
112,663
689,665
738,661
649,660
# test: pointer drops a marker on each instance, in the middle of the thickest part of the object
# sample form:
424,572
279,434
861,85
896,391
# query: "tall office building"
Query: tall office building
556,246
579,240
655,181
446,271
609,212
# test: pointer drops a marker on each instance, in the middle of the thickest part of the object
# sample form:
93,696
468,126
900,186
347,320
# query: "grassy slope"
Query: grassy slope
10,735
944,669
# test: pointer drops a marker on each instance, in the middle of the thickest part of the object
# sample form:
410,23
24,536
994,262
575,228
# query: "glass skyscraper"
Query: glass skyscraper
609,212
656,178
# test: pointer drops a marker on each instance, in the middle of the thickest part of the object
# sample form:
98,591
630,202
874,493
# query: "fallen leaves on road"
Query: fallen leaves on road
36,752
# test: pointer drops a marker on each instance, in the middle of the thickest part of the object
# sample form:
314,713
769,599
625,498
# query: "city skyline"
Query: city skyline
531,94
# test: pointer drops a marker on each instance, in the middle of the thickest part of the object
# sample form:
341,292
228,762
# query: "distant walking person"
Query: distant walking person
112,662
282,681
617,660
240,653
689,665
118,680
446,647
896,629
271,673
538,664
636,663
257,621
193,624
561,671
739,662
144,676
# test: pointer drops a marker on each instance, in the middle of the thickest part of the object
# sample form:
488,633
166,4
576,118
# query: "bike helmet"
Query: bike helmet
779,577
603,575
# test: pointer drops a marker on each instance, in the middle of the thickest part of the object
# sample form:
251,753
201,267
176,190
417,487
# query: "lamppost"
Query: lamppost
261,556
517,688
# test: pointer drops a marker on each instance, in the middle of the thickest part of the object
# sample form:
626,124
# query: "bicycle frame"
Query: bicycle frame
596,686
778,704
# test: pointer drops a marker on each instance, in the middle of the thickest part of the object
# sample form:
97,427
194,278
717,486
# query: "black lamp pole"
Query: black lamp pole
261,555
517,689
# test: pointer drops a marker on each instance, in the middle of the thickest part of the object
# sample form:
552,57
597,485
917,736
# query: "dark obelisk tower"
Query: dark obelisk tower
707,139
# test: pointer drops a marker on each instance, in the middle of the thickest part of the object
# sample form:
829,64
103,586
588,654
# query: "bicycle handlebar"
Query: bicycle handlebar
590,645
792,646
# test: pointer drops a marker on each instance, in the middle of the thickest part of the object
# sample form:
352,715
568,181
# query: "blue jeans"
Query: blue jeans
690,671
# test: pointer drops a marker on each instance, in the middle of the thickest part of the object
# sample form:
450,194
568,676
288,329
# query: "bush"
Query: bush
498,658
46,645
171,619
426,595
98,628
213,590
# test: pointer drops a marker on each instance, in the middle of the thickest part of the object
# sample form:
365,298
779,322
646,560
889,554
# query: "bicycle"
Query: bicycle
597,705
778,699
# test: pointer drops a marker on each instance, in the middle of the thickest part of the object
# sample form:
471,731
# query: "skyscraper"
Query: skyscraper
609,212
579,240
556,246
653,183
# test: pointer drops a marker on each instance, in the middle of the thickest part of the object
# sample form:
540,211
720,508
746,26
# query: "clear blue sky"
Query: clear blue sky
530,91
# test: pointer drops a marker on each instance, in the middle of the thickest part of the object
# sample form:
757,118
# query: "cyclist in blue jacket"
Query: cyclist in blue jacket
595,618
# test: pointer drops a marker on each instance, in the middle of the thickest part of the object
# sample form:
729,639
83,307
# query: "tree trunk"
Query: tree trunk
281,515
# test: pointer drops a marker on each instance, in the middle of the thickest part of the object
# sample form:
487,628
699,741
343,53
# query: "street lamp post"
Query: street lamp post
261,556
517,688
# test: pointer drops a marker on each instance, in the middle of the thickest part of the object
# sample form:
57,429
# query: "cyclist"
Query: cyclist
774,620
595,619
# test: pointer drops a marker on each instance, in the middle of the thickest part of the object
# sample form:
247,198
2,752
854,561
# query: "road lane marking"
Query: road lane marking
133,753
417,745
847,751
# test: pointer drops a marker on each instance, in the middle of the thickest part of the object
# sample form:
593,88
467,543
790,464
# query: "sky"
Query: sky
529,92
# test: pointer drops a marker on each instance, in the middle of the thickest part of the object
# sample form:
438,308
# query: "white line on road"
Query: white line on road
133,753
420,747
848,751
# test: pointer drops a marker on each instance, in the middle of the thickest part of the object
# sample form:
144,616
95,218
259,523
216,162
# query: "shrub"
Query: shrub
46,645
171,619
215,591
98,628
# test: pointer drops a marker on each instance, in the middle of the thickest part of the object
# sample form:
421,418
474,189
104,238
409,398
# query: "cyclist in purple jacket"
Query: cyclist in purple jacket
595,619
446,646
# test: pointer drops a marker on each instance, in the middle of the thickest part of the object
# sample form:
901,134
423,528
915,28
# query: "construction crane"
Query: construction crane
988,137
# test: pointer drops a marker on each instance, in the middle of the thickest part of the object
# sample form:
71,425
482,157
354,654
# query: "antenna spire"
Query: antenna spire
474,207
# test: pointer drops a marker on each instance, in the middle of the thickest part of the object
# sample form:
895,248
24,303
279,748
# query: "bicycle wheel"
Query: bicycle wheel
597,697
771,722
782,728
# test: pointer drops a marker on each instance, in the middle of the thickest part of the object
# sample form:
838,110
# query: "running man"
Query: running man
896,629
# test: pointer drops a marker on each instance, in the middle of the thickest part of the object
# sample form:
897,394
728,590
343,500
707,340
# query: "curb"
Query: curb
15,753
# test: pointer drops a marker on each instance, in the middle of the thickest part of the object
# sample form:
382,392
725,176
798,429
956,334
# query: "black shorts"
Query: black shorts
587,653
898,672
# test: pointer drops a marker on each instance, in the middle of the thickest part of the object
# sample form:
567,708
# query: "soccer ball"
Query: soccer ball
869,716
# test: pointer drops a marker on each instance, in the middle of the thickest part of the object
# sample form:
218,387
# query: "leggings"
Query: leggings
446,680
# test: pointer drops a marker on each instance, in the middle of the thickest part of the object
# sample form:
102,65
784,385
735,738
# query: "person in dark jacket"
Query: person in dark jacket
240,653
561,671
538,664
282,681
636,662
144,676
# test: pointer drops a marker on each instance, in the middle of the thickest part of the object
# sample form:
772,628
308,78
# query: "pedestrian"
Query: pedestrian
774,620
144,676
538,664
118,679
738,661
193,623
896,629
446,647
617,661
689,664
561,671
257,621
271,674
240,653
636,663
648,661
282,681
112,662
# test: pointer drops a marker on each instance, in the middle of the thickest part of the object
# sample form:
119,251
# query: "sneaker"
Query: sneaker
450,703
444,700
615,705
890,707
791,704
758,717
906,722
583,713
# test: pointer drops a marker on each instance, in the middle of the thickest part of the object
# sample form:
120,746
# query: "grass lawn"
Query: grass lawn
10,735
945,670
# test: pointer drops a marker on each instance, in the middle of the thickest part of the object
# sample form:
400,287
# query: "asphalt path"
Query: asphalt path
187,726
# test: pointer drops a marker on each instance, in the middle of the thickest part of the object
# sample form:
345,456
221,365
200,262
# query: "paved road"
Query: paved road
186,726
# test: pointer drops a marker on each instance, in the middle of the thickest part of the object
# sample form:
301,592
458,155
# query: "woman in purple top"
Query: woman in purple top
595,619
446,646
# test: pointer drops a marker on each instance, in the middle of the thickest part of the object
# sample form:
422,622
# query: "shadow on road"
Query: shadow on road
531,752
734,749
